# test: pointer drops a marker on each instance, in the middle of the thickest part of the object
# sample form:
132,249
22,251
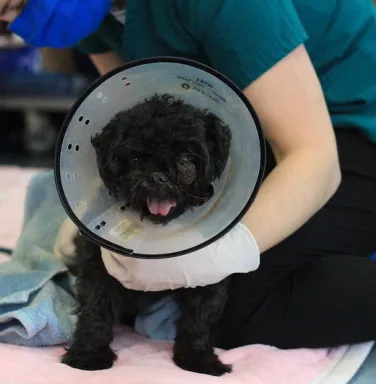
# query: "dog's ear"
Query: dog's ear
97,143
218,142
207,195
101,144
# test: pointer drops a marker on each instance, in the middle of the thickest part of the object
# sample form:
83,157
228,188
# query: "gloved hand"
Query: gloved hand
236,252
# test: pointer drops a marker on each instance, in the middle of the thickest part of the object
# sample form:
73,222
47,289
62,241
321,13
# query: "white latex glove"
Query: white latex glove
236,252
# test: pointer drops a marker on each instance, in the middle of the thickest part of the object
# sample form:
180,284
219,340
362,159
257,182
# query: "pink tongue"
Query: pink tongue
160,207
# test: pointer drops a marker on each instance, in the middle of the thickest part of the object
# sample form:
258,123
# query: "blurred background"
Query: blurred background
37,88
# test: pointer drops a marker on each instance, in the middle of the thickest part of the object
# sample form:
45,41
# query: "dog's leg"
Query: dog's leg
91,349
201,310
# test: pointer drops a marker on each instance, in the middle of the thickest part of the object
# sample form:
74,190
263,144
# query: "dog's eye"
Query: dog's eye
186,172
134,162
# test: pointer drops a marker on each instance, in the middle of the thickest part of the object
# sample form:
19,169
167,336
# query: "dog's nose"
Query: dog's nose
158,177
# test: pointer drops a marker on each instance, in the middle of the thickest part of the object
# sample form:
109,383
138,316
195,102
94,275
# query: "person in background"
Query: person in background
309,69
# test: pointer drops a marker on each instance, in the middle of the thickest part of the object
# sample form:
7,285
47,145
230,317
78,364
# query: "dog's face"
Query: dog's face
162,156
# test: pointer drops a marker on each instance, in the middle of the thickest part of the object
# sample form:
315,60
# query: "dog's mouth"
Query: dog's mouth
160,207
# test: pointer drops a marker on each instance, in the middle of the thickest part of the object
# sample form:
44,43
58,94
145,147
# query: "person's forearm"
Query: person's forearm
295,190
296,122
106,62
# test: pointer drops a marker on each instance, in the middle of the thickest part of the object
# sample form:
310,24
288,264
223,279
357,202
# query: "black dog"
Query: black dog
161,157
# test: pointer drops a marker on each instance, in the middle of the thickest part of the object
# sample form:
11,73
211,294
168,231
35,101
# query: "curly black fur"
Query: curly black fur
187,149
164,149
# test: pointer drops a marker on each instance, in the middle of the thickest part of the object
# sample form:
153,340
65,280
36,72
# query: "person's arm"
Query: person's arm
106,62
260,46
292,110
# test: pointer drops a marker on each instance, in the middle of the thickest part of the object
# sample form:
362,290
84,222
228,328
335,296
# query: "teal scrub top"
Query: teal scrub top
244,38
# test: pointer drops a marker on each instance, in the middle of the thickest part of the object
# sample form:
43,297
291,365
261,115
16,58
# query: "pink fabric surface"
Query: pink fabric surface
13,186
141,361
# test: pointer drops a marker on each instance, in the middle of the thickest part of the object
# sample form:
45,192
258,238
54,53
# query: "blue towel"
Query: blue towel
37,292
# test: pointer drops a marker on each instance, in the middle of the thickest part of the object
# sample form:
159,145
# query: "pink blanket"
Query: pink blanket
142,361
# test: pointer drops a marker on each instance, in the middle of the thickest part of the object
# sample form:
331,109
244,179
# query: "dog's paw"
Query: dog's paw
89,360
207,363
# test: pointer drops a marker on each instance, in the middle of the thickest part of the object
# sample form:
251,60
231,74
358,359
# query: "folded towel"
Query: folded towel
36,300
36,290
